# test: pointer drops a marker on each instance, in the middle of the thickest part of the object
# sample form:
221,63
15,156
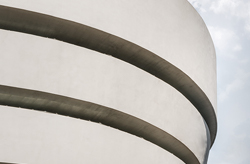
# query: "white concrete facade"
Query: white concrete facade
171,29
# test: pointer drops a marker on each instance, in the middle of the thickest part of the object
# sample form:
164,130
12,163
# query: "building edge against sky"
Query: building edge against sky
112,67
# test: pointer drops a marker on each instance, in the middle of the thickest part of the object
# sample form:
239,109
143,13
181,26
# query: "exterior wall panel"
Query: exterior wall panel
171,29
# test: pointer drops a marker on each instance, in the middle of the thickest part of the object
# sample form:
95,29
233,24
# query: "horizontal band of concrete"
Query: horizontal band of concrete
42,101
91,38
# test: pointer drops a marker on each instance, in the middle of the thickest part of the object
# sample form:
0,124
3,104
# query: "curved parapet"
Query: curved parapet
66,106
149,72
84,36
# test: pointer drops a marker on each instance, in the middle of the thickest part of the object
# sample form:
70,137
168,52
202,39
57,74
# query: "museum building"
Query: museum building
106,82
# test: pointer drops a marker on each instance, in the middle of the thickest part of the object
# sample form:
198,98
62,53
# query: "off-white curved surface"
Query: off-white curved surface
48,65
87,37
79,109
40,137
171,29
111,82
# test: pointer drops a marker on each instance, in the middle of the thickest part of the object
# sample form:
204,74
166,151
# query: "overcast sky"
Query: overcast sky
229,24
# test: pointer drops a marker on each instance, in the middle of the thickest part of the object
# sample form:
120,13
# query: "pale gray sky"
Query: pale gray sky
229,24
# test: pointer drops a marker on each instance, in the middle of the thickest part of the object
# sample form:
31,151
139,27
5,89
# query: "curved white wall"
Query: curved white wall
38,137
170,29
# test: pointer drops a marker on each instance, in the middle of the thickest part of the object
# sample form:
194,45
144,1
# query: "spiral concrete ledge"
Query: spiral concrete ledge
165,107
66,106
84,36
